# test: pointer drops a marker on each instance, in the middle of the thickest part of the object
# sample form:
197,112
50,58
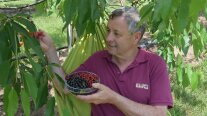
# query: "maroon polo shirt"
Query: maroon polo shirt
145,81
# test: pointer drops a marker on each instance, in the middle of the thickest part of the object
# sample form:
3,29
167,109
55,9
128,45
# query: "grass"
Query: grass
188,102
53,25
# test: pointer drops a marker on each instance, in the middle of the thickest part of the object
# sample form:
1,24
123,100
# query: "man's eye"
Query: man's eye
116,34
108,30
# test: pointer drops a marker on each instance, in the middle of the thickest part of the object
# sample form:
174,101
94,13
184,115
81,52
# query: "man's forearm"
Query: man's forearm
131,108
53,58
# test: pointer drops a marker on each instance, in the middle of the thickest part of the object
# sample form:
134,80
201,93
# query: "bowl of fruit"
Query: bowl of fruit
80,83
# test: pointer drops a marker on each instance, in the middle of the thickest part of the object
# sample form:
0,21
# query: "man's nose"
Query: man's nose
109,37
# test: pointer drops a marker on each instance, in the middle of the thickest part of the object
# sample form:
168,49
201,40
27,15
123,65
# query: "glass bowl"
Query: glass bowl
80,83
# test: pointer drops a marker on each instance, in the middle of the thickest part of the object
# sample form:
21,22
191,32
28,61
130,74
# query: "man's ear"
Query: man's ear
137,36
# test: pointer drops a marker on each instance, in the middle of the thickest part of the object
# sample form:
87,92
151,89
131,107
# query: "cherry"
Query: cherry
38,34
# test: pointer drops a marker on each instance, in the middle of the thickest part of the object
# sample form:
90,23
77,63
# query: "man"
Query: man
133,81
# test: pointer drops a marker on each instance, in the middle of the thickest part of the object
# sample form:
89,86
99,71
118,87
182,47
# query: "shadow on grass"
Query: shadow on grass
177,111
186,97
204,85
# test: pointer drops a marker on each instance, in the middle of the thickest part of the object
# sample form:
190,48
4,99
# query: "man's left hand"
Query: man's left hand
103,95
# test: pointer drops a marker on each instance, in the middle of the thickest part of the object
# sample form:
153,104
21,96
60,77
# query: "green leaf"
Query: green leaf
70,12
90,28
42,94
17,85
83,17
189,72
197,44
83,110
35,66
80,28
5,49
179,69
64,105
4,71
20,29
169,55
27,23
57,2
182,18
93,5
185,41
179,72
83,11
162,9
145,12
166,6
12,103
194,80
95,10
50,107
7,90
186,76
62,82
205,13
196,6
25,102
12,72
35,45
31,85
12,37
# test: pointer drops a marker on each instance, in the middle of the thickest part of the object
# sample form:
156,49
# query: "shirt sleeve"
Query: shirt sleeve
160,91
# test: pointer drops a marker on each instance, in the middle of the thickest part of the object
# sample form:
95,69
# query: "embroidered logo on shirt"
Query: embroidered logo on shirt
141,86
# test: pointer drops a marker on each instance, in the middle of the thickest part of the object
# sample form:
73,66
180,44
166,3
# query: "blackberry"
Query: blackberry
77,82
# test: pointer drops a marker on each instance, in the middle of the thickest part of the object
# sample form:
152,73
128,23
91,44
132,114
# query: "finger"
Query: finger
45,37
98,86
43,46
39,34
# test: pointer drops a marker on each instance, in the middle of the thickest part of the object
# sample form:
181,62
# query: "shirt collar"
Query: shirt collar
140,58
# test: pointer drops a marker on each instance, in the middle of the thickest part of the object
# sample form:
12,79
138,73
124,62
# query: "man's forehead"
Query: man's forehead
117,25
119,19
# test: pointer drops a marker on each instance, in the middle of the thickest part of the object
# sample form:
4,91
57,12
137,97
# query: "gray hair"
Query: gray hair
132,17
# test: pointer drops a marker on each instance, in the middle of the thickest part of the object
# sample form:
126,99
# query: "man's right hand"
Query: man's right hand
49,50
46,42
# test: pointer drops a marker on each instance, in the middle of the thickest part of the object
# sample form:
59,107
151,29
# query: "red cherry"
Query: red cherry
38,34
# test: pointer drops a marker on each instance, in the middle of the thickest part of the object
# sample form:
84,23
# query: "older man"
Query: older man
133,81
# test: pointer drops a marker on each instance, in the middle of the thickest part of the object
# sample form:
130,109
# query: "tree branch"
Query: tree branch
22,7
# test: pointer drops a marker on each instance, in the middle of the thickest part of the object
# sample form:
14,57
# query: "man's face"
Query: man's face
119,40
